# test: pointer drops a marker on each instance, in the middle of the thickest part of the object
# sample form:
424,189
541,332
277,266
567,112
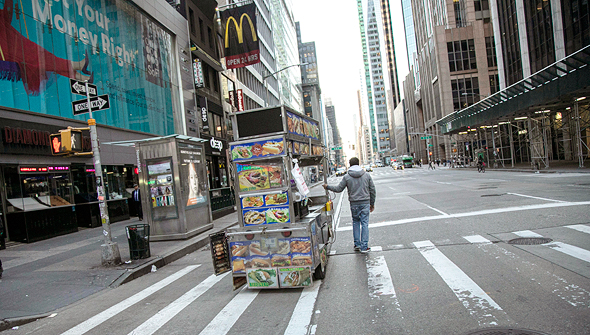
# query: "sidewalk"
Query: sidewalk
554,167
43,276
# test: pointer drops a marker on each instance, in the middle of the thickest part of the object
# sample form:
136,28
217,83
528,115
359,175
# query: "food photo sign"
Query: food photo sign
266,209
300,126
258,149
252,177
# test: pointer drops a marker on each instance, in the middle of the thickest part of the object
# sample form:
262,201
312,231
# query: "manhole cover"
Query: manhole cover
505,331
492,195
530,240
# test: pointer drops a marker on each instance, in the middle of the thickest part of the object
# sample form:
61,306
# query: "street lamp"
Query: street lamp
272,74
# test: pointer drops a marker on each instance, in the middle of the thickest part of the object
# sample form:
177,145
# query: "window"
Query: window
191,16
494,83
465,92
210,37
461,55
202,30
491,52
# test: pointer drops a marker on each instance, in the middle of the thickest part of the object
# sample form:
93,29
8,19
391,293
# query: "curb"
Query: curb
6,324
161,261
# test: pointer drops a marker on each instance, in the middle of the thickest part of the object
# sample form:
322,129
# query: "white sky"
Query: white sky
334,27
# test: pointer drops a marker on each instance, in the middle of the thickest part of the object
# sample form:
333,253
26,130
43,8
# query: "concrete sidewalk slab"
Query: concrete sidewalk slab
44,276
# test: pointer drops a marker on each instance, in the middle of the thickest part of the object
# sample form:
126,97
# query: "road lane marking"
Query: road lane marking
442,182
118,308
379,281
580,227
377,248
163,316
477,239
474,213
434,209
527,233
228,316
571,250
475,300
300,321
532,197
338,208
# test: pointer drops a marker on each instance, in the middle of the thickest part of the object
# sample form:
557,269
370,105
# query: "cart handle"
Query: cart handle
266,231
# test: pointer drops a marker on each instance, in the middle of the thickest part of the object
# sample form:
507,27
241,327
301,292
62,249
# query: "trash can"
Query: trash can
138,236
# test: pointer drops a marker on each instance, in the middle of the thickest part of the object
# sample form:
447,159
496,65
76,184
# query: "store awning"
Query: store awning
556,86
131,143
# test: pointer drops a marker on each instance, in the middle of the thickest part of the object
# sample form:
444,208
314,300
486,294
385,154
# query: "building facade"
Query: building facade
149,89
337,160
310,82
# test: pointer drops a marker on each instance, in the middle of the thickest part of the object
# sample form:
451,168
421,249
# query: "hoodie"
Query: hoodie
361,189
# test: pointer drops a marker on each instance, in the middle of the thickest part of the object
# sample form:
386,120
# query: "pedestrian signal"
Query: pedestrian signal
67,141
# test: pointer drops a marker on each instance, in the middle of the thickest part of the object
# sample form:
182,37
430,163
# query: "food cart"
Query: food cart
285,230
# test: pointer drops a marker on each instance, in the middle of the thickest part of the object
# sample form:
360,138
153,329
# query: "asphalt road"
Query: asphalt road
441,264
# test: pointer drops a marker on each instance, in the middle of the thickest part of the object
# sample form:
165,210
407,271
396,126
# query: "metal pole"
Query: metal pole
110,250
511,143
579,135
494,147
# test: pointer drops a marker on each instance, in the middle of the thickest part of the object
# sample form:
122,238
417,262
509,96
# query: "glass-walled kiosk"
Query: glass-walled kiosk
173,186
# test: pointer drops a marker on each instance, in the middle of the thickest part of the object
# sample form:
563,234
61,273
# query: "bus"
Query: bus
405,160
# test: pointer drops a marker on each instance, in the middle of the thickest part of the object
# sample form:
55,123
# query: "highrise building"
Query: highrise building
310,82
448,83
377,74
286,54
337,141
409,31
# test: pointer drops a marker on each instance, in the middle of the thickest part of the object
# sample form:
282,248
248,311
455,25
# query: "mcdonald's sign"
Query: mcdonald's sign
240,36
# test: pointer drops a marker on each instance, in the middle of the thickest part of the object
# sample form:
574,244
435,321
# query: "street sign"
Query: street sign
336,148
430,145
425,137
79,87
98,103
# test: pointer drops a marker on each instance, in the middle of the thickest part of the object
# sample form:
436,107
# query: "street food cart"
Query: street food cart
285,230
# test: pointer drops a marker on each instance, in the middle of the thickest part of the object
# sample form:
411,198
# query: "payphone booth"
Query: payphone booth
173,185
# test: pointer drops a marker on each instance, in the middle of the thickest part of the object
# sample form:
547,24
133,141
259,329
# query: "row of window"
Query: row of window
461,55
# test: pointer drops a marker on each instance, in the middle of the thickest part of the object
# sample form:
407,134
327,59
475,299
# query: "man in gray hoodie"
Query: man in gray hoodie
361,195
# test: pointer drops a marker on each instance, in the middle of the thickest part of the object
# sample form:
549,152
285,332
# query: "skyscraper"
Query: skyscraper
337,142
310,83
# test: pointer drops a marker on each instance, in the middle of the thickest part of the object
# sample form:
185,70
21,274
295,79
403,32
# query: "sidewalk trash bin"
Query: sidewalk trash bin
138,236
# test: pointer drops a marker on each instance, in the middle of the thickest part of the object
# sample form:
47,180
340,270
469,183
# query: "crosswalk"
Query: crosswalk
457,273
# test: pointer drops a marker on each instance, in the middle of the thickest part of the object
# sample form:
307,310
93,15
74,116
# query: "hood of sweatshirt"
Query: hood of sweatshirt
356,171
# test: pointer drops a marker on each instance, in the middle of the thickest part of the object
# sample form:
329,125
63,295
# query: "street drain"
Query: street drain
505,331
529,240
492,195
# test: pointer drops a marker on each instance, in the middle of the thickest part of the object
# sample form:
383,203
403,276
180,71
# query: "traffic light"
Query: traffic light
67,141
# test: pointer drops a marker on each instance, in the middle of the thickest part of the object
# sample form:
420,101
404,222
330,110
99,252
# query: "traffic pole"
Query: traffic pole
110,250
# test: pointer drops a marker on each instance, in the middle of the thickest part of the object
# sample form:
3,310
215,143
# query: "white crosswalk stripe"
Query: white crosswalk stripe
445,270
476,301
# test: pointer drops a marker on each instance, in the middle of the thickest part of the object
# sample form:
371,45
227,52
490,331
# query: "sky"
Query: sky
334,27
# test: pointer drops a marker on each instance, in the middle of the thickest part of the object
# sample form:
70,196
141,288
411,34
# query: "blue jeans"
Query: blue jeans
360,225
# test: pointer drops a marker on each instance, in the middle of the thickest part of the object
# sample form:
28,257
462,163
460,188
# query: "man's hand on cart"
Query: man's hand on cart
325,186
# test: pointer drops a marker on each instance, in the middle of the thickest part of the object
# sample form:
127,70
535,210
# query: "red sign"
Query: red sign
28,169
240,100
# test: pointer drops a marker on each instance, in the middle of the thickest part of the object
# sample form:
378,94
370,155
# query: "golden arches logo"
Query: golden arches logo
239,29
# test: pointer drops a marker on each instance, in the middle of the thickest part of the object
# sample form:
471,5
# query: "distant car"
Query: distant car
340,172
379,164
368,168
397,165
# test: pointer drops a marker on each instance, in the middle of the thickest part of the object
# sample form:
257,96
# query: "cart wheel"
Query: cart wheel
319,273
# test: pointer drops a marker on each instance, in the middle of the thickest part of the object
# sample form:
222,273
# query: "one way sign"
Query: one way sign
79,87
98,103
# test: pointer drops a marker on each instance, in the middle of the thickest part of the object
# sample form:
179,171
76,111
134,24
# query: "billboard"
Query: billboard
240,36
110,43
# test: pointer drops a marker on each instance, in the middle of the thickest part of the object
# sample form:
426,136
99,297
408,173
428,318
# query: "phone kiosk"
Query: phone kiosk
283,238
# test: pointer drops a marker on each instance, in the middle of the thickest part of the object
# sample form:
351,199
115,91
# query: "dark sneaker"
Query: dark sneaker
366,250
357,249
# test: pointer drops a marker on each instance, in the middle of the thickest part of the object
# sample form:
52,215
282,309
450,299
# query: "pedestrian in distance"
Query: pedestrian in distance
136,196
361,195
